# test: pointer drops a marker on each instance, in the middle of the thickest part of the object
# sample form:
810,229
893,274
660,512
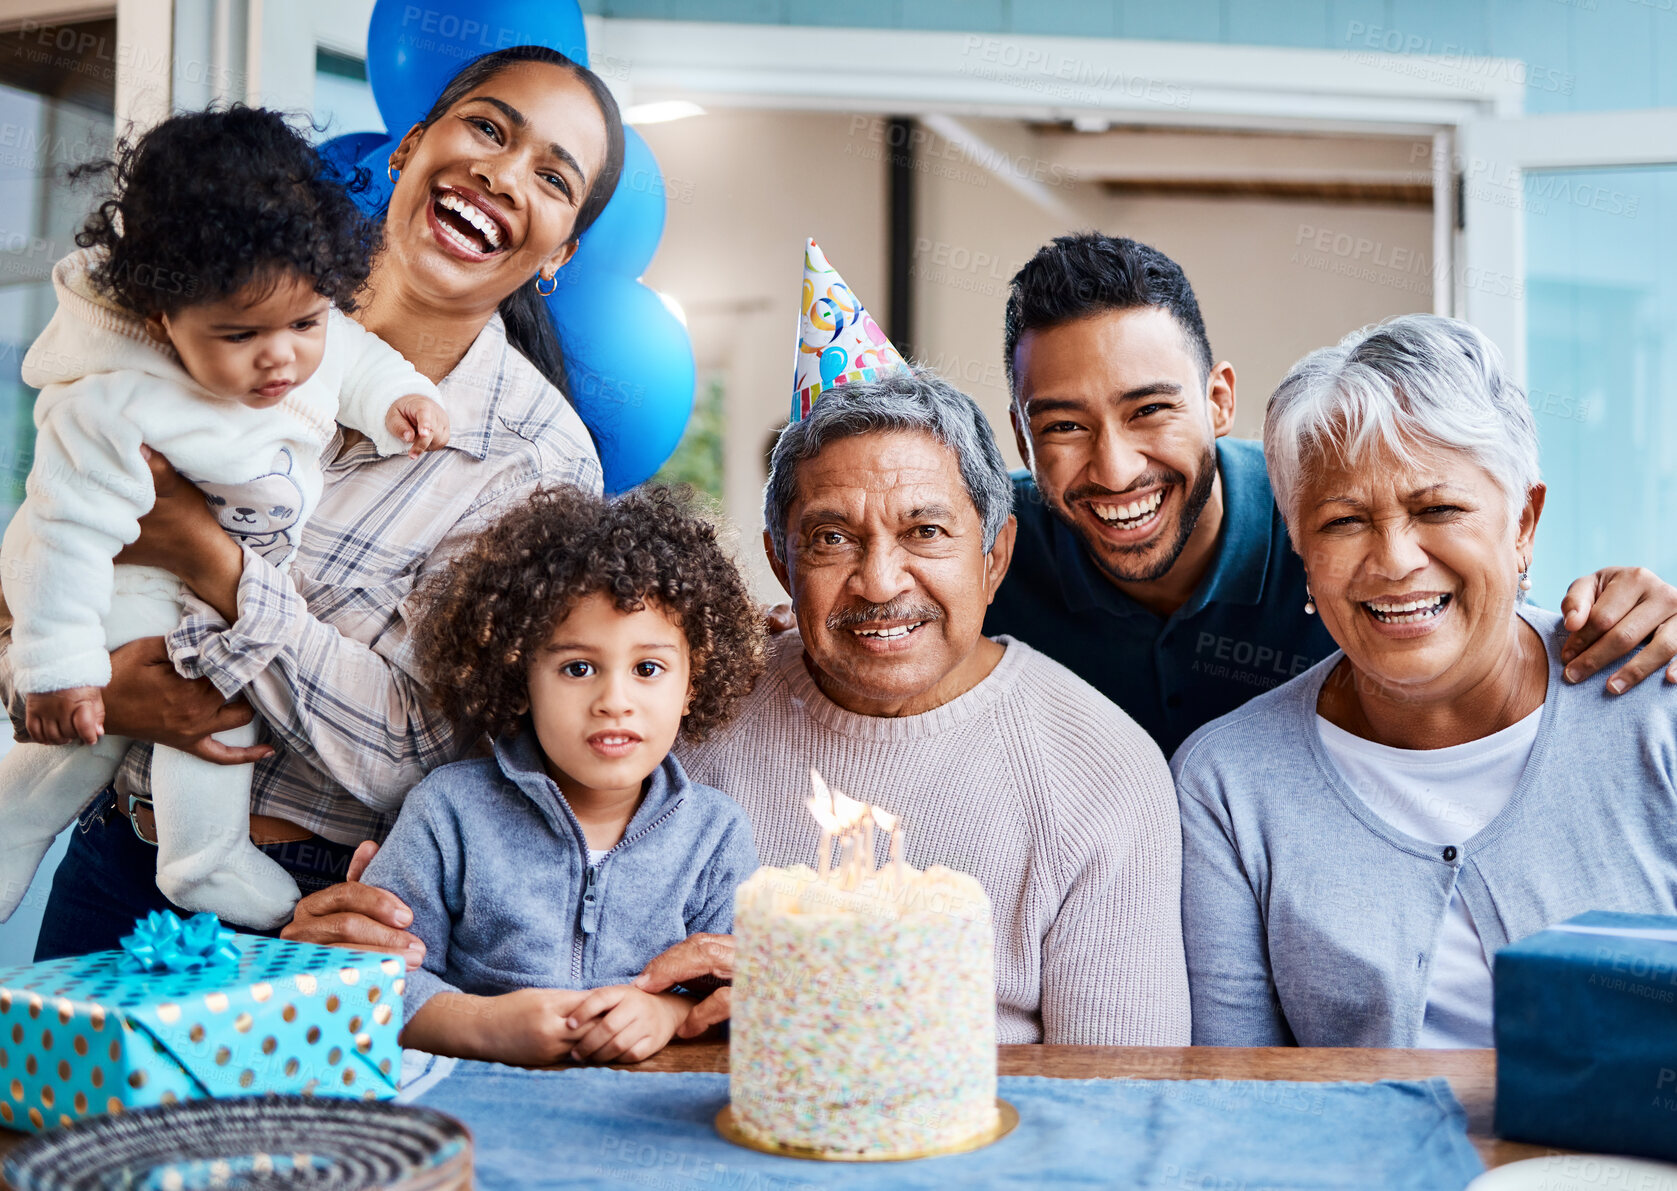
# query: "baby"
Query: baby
202,320
583,636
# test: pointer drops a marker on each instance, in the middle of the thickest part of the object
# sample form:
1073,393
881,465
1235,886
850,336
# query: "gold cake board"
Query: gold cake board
1007,1117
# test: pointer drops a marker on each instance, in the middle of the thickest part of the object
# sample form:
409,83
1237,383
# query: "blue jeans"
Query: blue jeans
109,878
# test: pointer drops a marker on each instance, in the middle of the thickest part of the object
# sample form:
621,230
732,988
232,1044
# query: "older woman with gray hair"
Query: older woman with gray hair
1359,843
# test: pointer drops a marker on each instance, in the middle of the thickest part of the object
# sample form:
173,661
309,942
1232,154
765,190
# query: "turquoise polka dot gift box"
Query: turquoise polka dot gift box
190,1011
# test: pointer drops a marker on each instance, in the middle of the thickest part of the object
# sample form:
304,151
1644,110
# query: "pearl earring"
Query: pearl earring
1309,603
1525,581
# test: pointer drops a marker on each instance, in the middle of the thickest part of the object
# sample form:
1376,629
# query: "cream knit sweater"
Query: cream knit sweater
1034,783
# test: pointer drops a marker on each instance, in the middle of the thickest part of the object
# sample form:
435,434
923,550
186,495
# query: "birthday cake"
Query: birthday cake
863,1011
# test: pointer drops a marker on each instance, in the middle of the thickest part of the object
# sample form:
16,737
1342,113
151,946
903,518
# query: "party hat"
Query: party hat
838,340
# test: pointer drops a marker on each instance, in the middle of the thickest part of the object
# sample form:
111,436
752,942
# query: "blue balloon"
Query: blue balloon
630,365
625,236
343,153
414,49
376,196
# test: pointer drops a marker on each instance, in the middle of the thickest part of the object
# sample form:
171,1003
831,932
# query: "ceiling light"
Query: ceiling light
661,112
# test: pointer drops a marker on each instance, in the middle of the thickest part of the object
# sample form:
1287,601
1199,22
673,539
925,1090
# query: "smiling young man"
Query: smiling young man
1150,558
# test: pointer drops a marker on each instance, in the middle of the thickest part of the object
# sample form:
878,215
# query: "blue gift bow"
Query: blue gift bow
161,942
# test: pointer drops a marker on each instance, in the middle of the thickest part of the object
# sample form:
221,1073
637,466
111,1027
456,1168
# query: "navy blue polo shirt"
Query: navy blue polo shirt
1242,631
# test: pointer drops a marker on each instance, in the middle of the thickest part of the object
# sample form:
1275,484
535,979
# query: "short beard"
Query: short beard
1193,505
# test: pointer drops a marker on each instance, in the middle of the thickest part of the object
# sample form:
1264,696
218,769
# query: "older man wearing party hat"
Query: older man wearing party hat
889,521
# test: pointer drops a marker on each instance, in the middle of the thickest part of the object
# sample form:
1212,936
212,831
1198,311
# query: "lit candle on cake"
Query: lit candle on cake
893,828
821,806
864,1019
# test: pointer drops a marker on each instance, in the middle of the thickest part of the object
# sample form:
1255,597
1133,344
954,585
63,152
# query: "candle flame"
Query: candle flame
821,805
850,823
850,811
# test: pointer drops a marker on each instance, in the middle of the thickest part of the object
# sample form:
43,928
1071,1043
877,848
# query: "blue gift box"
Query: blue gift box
83,1036
1586,1035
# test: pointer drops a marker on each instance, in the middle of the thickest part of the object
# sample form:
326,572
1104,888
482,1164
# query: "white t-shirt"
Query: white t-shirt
1443,796
595,855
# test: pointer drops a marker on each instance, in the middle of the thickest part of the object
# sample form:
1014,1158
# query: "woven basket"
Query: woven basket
322,1144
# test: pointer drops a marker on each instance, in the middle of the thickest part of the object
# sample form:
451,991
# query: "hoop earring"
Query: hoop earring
390,170
552,280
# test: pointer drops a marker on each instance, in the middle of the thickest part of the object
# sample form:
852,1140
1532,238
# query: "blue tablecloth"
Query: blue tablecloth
605,1128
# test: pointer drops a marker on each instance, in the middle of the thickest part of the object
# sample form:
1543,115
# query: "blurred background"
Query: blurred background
1315,165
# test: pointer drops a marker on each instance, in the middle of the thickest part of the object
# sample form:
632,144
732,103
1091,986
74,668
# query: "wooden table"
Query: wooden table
1472,1073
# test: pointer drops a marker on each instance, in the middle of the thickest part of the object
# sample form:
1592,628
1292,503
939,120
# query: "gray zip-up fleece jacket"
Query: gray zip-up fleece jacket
493,863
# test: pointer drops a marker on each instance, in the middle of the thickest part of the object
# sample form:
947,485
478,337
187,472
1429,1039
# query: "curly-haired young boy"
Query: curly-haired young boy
584,636
199,321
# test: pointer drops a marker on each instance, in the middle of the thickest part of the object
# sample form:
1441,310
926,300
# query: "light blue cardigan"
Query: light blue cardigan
1310,920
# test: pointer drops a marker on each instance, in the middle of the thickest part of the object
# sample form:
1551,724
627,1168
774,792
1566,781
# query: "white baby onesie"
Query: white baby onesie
107,387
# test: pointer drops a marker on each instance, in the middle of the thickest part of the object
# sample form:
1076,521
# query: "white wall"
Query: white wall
745,189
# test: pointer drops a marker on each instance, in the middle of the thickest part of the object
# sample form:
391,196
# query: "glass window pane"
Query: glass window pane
1601,334
343,100
57,95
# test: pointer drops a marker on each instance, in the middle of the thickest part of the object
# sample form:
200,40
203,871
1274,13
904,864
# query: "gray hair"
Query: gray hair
915,398
1415,379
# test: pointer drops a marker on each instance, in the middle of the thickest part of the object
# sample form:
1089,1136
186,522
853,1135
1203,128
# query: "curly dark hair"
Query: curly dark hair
207,202
484,619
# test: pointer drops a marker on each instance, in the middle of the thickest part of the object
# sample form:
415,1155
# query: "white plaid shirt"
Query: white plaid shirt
323,653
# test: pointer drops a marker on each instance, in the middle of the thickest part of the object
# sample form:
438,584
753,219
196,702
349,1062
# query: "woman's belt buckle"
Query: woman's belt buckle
132,814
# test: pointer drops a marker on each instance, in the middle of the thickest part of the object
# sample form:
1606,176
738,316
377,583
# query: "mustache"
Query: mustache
900,609
1149,480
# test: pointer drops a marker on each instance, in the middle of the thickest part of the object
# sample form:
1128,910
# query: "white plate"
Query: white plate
1579,1172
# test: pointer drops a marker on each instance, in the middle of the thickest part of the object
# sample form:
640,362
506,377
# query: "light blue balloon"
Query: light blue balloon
630,364
624,238
833,362
414,49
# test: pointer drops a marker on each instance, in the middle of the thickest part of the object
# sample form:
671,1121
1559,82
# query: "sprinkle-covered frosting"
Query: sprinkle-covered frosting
864,1019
